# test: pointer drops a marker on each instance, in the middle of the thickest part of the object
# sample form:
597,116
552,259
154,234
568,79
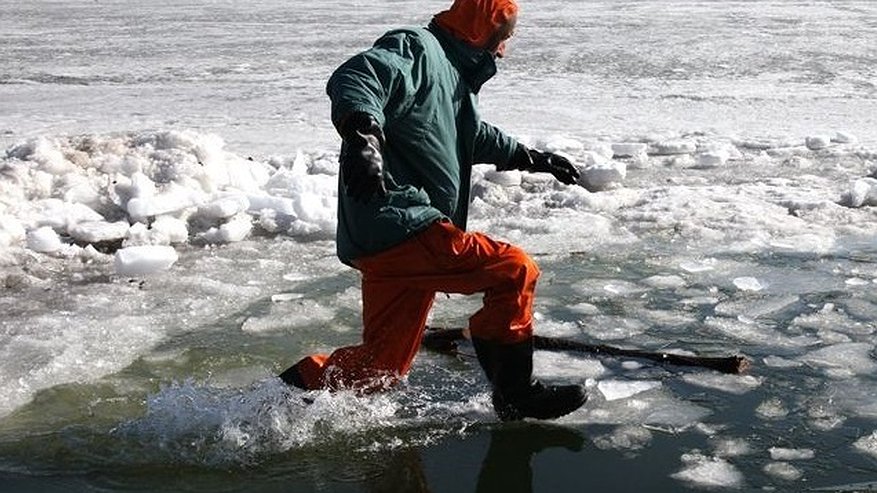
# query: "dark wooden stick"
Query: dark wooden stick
444,340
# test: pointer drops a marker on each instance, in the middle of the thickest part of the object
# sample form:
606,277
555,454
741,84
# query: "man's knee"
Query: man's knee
521,268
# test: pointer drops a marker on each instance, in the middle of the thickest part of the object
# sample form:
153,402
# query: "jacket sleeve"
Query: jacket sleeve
369,80
493,146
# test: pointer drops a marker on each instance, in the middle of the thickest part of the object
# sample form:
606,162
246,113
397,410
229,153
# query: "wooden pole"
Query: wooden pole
444,340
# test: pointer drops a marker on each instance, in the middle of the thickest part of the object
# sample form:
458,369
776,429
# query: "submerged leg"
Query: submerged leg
394,320
516,394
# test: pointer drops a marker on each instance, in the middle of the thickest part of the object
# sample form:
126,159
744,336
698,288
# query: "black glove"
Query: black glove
361,160
544,162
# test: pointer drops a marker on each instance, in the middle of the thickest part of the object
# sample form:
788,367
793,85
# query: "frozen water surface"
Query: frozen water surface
167,215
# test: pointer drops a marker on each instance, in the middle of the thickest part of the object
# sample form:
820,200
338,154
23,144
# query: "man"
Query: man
406,112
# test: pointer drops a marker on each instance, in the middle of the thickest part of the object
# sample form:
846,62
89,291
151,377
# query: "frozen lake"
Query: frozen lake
728,207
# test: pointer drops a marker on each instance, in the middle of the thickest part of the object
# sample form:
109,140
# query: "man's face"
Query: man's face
496,43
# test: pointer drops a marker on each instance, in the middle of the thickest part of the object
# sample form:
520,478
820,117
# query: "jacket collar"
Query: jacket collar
476,66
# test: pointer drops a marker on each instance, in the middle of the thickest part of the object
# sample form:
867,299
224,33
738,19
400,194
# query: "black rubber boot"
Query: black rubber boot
291,376
516,394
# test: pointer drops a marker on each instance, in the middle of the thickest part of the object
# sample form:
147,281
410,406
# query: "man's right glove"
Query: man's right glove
361,160
544,162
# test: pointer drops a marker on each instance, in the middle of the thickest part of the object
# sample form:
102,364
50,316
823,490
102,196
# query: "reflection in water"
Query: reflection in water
507,467
403,472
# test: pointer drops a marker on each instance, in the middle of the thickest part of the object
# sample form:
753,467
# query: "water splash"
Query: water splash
192,423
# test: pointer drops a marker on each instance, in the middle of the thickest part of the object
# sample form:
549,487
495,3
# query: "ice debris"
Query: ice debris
702,470
144,260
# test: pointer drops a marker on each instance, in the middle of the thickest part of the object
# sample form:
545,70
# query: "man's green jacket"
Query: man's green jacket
421,86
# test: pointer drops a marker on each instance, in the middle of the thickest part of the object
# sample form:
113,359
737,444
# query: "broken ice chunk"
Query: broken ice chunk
618,389
787,454
629,437
708,471
629,149
99,231
772,408
732,447
44,240
867,444
861,193
783,470
853,357
226,206
143,260
817,142
733,384
603,175
712,159
844,138
510,178
673,147
695,266
664,282
780,362
236,229
748,284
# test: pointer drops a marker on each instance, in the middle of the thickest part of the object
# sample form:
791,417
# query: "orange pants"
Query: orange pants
398,289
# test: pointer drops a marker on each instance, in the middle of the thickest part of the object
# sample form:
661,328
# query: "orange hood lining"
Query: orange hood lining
476,21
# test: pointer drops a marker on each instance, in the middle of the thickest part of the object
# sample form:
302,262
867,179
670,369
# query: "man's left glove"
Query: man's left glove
544,162
361,160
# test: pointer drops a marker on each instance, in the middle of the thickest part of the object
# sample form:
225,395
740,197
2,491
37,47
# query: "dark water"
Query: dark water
515,457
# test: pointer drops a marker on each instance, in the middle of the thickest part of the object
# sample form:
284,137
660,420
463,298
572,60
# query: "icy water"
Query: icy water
741,223
213,420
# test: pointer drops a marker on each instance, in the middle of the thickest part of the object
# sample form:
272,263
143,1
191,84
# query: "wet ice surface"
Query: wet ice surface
166,243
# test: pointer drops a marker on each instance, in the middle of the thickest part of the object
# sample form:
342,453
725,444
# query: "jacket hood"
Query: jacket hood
476,21
475,66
